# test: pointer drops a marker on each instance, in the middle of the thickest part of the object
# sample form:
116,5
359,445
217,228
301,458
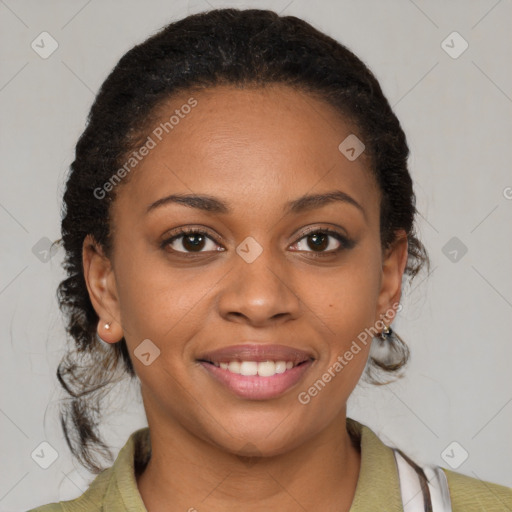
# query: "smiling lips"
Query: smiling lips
255,371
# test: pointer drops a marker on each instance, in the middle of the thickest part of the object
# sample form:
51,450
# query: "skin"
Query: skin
255,150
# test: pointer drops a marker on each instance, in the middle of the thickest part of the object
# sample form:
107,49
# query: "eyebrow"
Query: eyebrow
299,205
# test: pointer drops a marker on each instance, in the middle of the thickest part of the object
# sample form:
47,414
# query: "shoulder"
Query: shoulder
114,484
91,499
379,469
471,494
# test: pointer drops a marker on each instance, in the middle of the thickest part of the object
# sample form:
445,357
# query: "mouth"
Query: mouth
257,372
250,368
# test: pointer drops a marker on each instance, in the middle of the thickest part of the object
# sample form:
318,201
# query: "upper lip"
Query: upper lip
256,352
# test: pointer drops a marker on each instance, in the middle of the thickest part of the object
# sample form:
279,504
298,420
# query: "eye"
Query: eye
323,241
189,240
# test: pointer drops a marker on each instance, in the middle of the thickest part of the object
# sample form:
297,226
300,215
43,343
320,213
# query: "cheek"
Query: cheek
164,304
346,297
346,303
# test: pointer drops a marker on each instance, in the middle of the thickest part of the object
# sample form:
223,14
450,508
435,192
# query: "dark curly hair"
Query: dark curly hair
242,48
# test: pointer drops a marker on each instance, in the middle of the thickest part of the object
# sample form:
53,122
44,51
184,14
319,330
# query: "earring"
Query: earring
107,327
386,333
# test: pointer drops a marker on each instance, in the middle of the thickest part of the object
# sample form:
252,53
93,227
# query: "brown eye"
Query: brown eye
190,241
318,241
323,241
193,242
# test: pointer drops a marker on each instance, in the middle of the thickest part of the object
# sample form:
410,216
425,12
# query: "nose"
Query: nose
260,293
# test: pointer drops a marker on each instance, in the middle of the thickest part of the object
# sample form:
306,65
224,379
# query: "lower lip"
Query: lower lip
253,387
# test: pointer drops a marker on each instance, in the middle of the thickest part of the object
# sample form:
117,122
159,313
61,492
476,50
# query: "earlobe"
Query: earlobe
100,281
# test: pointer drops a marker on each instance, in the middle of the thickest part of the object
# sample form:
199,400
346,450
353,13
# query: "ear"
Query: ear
101,285
393,267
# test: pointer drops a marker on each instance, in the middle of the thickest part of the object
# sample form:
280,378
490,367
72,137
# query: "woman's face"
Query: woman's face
261,271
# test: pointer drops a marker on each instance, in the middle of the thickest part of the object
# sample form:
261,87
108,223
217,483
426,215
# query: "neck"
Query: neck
187,473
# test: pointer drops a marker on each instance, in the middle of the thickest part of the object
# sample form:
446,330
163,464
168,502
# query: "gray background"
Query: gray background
456,113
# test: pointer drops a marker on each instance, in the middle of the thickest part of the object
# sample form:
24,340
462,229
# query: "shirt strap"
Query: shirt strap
422,489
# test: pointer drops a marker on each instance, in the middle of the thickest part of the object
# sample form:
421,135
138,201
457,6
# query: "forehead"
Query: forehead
250,146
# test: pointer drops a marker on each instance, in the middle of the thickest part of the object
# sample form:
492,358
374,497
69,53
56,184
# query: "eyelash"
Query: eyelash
345,243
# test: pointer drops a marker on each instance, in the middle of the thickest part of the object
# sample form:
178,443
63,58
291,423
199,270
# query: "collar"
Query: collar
377,483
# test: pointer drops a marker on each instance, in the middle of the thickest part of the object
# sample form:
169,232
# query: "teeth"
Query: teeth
249,368
234,366
266,369
281,366
263,368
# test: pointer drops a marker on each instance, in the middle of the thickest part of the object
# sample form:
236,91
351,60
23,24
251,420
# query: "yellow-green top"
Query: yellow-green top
377,488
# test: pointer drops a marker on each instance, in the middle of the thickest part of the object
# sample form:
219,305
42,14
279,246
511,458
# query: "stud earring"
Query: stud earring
106,326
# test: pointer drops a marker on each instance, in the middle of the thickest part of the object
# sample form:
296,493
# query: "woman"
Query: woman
238,220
